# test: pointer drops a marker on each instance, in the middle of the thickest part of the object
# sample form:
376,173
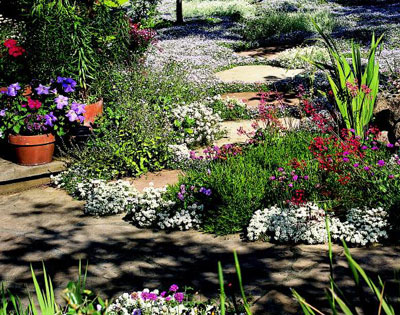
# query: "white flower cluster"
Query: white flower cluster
151,208
105,198
363,226
196,123
183,219
180,153
148,302
147,205
306,224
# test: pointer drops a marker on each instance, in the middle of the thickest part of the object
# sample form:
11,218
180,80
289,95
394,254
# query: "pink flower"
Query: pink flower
174,288
381,163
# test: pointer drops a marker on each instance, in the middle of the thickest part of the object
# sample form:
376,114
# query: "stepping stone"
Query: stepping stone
256,74
159,179
15,178
253,99
265,52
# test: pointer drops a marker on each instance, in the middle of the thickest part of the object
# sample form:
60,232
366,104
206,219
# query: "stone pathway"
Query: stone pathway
46,224
256,74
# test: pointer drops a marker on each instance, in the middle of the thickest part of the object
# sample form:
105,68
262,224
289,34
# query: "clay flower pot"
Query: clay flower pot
33,150
92,112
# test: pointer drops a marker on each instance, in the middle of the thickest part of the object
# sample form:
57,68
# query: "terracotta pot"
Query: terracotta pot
92,112
33,150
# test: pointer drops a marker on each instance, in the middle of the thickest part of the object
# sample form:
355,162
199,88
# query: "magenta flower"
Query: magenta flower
306,177
345,159
272,178
174,288
295,177
356,165
290,185
364,147
163,293
391,176
179,296
346,153
390,145
381,163
366,168
280,169
180,196
374,148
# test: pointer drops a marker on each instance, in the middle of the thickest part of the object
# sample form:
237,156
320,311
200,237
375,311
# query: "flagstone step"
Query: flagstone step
256,74
15,178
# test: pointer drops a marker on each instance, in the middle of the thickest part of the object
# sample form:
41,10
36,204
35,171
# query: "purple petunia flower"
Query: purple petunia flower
60,79
181,196
41,89
137,312
381,163
78,108
72,116
50,119
68,85
3,112
179,296
208,192
61,101
173,288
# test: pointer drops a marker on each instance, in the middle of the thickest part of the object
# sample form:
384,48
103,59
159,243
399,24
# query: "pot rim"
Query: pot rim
33,140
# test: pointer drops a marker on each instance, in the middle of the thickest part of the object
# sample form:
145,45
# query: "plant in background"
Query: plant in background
355,90
43,109
76,39
141,38
12,61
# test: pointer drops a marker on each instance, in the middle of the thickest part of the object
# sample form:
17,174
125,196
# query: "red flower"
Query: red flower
16,51
34,104
9,43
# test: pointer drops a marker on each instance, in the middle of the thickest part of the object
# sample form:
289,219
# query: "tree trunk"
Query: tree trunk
179,12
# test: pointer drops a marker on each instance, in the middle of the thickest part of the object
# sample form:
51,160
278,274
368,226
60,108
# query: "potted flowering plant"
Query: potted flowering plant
31,121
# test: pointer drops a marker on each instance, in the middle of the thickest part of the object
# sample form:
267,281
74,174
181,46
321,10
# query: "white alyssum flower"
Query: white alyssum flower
306,224
195,123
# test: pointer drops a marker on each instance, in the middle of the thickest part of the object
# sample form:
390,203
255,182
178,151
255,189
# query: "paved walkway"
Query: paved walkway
46,224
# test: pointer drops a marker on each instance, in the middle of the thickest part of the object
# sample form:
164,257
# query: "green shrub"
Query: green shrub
75,39
269,24
201,8
240,184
